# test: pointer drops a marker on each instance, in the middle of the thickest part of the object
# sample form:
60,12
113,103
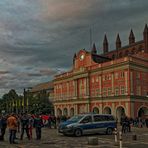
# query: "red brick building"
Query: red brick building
115,82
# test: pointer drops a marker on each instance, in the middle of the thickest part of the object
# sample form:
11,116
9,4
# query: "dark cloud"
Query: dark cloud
38,38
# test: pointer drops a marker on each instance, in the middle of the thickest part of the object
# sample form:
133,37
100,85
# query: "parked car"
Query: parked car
88,124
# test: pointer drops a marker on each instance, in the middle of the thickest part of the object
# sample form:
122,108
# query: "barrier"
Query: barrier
116,139
120,139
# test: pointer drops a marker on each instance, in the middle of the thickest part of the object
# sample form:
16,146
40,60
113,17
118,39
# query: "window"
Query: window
116,91
113,56
93,92
97,79
137,75
116,75
97,92
110,118
138,90
104,91
122,74
122,90
109,91
97,118
92,80
87,119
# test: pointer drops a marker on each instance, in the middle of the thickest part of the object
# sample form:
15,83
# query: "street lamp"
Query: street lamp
26,101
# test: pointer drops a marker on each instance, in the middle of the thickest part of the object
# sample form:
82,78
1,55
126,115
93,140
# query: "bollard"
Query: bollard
120,139
116,140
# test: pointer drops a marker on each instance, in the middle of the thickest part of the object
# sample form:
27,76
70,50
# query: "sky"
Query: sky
38,38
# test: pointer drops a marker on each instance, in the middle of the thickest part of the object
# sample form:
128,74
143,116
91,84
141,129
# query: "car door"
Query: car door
98,123
86,124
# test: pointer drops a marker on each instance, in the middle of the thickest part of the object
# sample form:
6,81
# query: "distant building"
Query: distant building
41,98
41,88
115,82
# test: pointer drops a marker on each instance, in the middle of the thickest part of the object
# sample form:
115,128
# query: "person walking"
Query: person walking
38,124
12,125
25,126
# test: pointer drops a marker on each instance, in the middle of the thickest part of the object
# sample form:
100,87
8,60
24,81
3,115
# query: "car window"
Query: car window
75,118
110,118
87,119
97,118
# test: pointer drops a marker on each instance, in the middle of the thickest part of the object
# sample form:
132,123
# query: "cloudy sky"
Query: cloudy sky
38,38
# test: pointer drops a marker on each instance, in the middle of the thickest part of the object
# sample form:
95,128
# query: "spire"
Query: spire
105,45
118,42
131,37
145,38
74,57
94,50
145,29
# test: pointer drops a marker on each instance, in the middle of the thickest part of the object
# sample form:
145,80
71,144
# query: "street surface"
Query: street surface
52,139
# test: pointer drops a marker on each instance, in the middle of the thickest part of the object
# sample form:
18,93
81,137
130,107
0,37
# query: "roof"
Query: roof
99,58
42,86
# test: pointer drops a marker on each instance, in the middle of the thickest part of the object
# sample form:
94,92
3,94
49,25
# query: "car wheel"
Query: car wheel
109,131
78,133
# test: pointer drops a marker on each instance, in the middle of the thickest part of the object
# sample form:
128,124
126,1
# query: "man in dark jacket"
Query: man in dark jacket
25,126
38,124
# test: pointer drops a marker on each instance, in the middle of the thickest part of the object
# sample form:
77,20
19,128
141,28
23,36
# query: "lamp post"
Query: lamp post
26,99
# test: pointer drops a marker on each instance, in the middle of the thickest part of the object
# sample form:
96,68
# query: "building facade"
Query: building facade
115,82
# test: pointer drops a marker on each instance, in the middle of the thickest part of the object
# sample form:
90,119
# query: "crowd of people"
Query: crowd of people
24,123
127,123
20,123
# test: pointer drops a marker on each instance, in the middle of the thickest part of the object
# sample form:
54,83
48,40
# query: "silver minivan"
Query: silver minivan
88,124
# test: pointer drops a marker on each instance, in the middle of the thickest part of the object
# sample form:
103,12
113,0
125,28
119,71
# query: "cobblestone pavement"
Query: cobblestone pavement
52,139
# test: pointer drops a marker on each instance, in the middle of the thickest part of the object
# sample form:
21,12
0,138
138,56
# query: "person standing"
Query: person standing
25,126
12,125
31,121
3,127
38,124
146,122
49,121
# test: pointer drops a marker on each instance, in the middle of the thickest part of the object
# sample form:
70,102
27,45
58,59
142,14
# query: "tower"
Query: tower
105,45
145,38
94,50
118,42
74,57
131,38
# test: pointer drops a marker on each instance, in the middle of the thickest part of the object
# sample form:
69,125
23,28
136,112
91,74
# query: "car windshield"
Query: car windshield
75,118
